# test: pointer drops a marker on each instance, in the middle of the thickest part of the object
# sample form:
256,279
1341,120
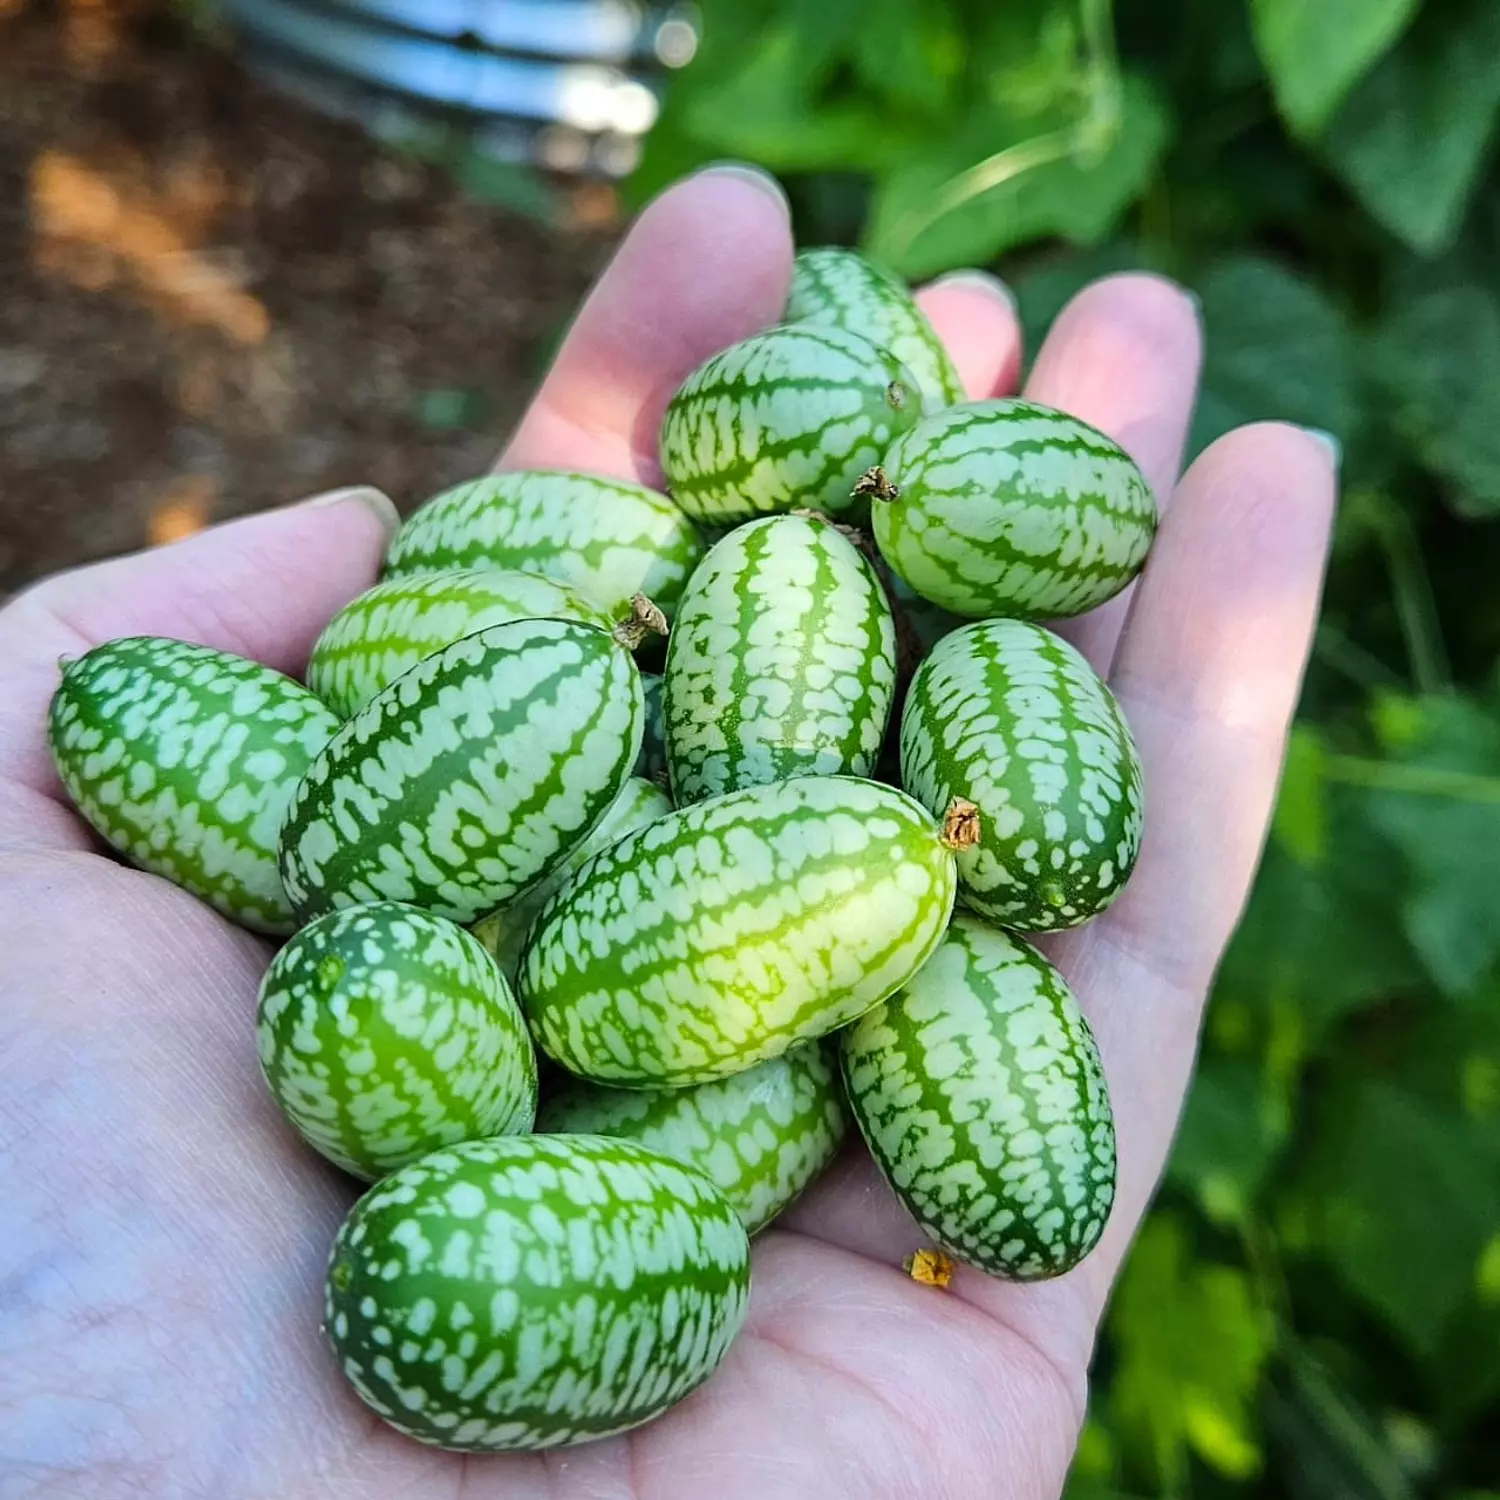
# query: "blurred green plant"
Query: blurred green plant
1313,1309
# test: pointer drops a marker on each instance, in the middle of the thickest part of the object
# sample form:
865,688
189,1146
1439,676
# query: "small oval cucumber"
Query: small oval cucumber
837,288
186,759
385,1032
469,777
1011,718
760,1136
396,624
1010,508
782,662
608,538
981,1095
789,418
525,1292
728,931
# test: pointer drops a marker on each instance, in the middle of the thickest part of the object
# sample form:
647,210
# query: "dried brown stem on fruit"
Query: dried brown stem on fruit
861,540
961,825
644,619
877,485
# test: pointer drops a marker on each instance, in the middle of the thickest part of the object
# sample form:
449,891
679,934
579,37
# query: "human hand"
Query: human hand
163,1234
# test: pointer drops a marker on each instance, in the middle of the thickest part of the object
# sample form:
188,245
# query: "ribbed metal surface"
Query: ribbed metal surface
568,82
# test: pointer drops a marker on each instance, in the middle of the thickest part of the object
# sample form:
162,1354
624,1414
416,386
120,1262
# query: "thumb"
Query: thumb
262,587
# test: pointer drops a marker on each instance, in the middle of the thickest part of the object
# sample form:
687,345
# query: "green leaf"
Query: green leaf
910,52
1398,1197
1440,360
1191,1342
443,408
1411,138
1301,820
1056,181
1232,1129
1316,50
1333,1448
1275,348
769,110
1449,1059
1437,797
1319,942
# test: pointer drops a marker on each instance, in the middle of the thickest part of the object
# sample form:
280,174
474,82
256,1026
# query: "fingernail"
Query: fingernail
379,504
1330,442
980,281
751,174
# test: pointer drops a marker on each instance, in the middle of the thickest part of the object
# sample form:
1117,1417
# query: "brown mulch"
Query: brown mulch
213,299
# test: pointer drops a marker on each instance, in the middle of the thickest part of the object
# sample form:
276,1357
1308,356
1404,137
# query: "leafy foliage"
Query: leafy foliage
1411,139
1313,1310
1315,53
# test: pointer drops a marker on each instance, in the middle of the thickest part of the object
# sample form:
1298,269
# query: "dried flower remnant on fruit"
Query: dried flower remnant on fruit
929,1267
644,619
875,483
961,824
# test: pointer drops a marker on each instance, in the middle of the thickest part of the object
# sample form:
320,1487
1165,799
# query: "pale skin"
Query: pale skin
163,1233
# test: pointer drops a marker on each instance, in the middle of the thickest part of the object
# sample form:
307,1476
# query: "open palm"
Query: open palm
163,1234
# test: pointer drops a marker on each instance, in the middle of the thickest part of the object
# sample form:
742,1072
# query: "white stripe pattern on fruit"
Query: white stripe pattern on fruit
503,933
837,288
759,1136
789,418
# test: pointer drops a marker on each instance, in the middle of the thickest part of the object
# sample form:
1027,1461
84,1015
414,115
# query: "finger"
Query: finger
706,265
1208,672
975,316
1124,356
262,587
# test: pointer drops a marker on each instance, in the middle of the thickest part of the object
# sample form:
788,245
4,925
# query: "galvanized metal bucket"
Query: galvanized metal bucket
569,85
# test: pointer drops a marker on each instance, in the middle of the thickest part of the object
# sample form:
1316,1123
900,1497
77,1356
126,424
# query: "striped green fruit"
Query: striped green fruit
503,933
728,931
389,629
833,288
781,663
760,1136
789,418
386,1032
610,539
1010,717
469,777
652,761
530,1291
1010,508
981,1095
185,760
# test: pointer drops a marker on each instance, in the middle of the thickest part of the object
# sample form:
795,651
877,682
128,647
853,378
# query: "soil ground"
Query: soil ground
214,300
